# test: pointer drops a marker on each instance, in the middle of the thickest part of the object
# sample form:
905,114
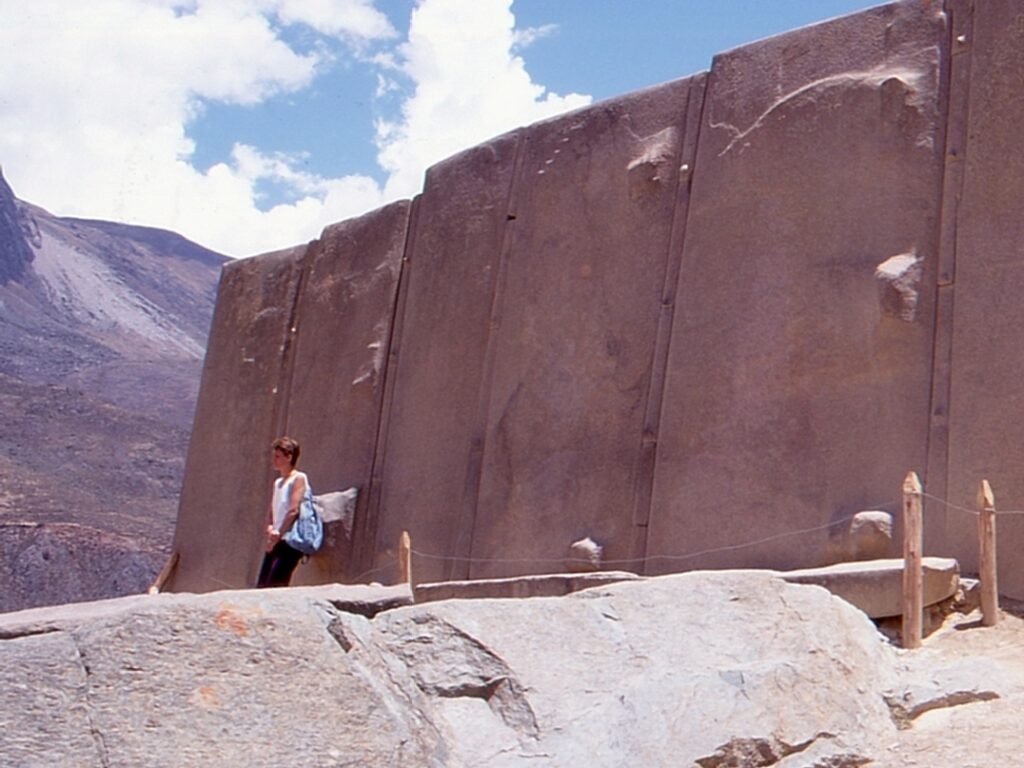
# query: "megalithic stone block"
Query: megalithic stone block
336,380
986,427
224,496
429,455
791,395
587,258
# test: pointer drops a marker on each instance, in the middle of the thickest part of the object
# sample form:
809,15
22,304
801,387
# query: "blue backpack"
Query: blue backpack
307,532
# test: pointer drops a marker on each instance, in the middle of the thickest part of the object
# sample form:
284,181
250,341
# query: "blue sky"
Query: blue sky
248,125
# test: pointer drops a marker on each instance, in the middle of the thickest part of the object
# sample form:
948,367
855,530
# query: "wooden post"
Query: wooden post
987,555
405,559
913,577
164,574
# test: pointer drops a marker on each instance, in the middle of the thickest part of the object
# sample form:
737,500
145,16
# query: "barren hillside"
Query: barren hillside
102,333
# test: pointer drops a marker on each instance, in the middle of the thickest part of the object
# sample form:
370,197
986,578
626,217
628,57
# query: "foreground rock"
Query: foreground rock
249,679
698,669
704,669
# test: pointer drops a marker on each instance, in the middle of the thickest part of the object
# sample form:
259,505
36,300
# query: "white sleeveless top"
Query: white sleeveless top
282,492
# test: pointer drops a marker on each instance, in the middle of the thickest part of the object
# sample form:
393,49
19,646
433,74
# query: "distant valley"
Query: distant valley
102,333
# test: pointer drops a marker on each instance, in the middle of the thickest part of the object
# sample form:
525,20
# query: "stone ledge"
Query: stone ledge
544,585
363,599
876,586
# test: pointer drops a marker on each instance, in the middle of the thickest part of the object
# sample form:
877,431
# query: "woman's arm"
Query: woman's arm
298,490
271,535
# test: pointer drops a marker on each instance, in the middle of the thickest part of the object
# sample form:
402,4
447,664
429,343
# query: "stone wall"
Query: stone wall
713,312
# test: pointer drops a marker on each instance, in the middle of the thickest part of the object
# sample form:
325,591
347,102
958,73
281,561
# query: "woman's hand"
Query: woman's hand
273,536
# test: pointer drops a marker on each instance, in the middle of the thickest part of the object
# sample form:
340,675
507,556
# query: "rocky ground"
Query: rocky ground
982,733
711,670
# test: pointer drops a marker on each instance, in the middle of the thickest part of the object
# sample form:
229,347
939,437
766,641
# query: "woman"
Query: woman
289,488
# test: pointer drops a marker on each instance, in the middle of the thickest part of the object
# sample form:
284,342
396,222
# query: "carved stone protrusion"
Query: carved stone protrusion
584,555
867,537
899,279
337,510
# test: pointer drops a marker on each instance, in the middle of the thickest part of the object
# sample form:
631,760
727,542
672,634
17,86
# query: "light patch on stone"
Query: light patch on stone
584,555
896,266
650,168
909,81
369,371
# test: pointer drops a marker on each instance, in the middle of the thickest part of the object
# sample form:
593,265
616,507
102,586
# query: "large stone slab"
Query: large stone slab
335,385
224,494
588,258
701,324
986,431
876,586
798,380
429,457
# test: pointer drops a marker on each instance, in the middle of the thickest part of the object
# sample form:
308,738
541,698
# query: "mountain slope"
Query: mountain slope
102,332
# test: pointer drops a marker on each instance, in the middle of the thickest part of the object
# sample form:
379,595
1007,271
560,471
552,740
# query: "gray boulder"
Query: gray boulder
249,678
734,668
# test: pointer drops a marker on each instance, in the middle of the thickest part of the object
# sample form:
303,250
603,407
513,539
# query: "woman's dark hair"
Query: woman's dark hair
289,448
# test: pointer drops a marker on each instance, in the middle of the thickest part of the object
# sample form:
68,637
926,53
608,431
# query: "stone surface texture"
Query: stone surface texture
546,585
746,670
278,677
985,388
819,158
570,359
699,323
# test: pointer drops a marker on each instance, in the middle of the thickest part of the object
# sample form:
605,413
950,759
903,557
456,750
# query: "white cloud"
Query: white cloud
351,19
469,87
96,100
523,38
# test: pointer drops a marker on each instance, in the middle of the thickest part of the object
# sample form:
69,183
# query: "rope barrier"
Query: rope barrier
689,555
364,574
628,561
659,557
974,512
950,504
